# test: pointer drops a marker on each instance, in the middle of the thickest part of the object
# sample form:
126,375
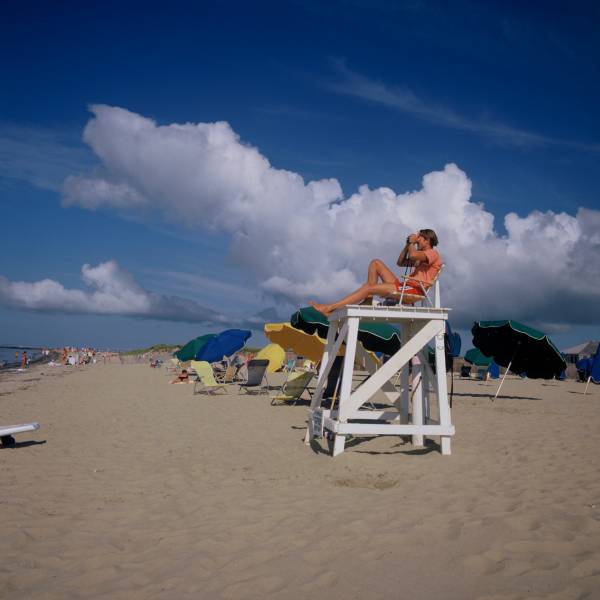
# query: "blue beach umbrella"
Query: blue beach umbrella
494,370
595,369
584,368
226,343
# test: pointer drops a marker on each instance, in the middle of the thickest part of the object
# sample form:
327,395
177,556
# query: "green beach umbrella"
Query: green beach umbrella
189,351
476,357
519,348
375,337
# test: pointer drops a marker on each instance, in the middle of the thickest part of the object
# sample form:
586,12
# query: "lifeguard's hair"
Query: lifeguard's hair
430,235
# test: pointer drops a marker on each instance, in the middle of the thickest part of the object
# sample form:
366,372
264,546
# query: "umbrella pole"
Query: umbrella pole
503,378
587,384
335,391
507,370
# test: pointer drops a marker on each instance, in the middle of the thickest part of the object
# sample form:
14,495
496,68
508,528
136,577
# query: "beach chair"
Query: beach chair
403,297
257,373
206,383
293,388
465,371
289,370
172,366
226,376
481,374
7,432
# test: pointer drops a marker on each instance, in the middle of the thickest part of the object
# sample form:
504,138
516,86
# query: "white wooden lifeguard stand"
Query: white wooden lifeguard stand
419,325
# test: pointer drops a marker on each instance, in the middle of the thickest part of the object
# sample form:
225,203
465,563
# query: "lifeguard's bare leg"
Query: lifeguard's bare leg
379,270
357,296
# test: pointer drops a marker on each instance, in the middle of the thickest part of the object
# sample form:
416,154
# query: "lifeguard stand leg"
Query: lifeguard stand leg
417,399
426,379
404,395
326,361
346,386
442,387
404,378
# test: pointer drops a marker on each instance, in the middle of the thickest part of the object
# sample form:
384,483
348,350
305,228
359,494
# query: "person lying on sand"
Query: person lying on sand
418,252
183,377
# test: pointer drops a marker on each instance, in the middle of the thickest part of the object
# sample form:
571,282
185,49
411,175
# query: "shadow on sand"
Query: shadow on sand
499,397
14,444
353,442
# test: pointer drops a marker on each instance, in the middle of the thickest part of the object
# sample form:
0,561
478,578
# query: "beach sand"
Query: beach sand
135,488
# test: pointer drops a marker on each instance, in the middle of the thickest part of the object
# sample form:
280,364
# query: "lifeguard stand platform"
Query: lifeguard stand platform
419,325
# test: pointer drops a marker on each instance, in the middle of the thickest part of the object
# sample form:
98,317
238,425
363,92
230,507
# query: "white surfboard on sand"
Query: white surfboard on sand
9,430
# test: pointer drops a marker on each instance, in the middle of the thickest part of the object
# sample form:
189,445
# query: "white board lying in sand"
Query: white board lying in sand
12,429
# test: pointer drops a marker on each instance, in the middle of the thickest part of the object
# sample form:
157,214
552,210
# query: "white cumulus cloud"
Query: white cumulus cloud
112,291
305,239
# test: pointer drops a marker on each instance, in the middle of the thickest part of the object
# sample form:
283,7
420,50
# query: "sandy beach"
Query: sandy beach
134,488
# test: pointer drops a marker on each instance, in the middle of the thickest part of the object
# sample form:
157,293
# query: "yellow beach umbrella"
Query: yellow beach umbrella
275,354
290,338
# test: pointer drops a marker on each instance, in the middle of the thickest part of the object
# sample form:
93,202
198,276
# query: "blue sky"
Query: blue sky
366,93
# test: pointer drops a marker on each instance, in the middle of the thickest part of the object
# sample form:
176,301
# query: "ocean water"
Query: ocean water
7,355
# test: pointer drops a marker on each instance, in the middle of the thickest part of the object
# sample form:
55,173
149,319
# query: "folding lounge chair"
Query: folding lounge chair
172,365
206,383
293,388
7,432
404,297
289,370
227,375
257,372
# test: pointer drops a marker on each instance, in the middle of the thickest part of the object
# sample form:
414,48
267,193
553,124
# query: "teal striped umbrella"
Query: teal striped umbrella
519,348
476,357
189,351
375,337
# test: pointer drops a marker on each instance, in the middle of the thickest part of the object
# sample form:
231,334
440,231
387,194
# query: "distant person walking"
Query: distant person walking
24,360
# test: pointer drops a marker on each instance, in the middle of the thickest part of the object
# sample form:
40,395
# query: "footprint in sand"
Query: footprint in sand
326,579
369,482
259,587
482,565
587,568
545,563
500,597
544,547
454,529
523,523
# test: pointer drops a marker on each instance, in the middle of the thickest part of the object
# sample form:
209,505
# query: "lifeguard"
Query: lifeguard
418,252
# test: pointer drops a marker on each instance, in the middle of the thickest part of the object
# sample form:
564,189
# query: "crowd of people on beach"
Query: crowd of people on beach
76,357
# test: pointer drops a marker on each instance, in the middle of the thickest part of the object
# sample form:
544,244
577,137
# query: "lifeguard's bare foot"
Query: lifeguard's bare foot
322,308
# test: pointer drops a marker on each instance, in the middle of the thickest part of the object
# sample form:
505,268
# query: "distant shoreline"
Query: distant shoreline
35,360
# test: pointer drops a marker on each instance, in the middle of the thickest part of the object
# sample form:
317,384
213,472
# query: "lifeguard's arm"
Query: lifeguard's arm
416,255
402,259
